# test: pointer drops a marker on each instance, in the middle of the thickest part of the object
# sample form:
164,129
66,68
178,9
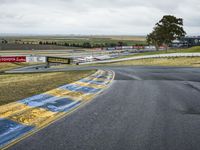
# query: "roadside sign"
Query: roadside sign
12,59
58,60
36,59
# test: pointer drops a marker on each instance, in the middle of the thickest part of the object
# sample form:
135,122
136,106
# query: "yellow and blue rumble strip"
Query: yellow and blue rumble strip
26,116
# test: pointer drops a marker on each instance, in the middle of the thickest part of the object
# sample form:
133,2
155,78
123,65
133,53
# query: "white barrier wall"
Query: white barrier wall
36,59
148,56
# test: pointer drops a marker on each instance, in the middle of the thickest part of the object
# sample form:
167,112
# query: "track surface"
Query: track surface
146,108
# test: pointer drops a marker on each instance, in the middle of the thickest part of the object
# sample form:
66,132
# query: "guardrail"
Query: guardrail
145,57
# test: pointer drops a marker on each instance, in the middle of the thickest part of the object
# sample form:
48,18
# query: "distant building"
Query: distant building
187,41
192,41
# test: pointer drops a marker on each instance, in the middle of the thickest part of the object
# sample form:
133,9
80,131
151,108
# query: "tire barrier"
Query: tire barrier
25,117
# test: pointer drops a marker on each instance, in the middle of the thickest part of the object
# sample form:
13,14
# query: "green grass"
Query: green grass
180,61
188,50
15,87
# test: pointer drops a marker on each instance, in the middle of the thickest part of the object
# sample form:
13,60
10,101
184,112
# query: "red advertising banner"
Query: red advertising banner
13,59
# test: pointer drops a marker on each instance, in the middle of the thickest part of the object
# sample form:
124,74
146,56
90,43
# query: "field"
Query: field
64,42
129,38
74,39
15,87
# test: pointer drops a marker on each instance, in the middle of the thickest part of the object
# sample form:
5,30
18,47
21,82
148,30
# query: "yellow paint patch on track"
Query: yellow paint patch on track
13,108
102,79
58,92
33,117
89,85
76,96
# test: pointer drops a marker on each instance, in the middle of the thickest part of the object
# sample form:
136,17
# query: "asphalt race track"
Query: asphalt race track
146,108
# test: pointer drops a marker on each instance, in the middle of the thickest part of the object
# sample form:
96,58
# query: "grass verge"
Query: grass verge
9,66
195,49
15,87
179,61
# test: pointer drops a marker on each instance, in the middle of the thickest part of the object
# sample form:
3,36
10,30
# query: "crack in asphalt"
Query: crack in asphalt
192,86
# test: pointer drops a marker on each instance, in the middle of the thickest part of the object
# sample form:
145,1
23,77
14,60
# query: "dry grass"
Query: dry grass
181,61
15,87
129,38
8,66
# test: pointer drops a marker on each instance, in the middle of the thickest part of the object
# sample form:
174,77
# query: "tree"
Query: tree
4,41
86,45
112,45
169,28
66,44
120,43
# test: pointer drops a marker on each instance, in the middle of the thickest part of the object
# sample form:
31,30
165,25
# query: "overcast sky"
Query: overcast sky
114,17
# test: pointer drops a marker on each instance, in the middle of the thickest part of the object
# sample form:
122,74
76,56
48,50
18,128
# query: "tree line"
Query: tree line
4,41
67,44
88,44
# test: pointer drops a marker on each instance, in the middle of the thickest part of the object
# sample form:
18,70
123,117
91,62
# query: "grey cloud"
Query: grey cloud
94,16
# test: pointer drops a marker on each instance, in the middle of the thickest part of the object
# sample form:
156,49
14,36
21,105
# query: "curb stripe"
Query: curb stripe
80,89
25,117
10,130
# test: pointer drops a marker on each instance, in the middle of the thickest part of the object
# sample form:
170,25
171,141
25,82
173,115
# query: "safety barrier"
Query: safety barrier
146,57
25,117
36,59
